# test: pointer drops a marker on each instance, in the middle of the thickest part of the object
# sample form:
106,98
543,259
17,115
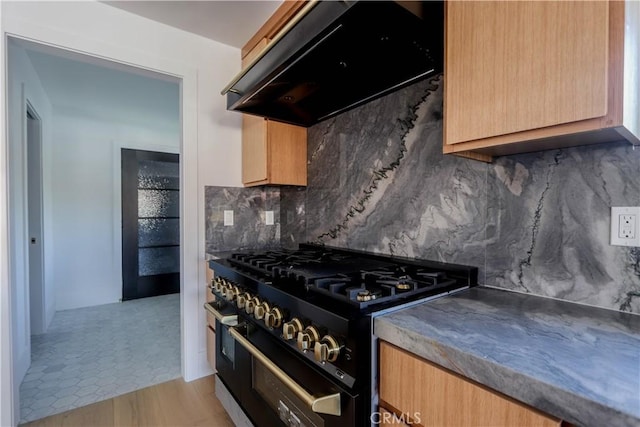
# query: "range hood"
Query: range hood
337,55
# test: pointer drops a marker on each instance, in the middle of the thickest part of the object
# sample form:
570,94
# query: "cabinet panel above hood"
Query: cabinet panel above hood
338,55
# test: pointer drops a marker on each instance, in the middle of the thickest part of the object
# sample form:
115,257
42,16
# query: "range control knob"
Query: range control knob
327,349
307,337
226,284
242,299
273,319
261,310
251,305
291,328
232,293
217,283
222,289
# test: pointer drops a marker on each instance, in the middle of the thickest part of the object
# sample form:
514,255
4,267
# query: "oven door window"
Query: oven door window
228,345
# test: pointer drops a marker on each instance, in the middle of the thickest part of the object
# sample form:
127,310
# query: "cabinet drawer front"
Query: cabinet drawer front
211,321
522,65
435,397
389,419
211,347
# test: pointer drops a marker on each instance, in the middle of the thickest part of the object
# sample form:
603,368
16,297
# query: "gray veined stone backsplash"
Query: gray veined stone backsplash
549,224
378,181
248,206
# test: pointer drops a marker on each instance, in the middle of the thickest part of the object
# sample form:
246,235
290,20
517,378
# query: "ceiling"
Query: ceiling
129,94
98,88
230,22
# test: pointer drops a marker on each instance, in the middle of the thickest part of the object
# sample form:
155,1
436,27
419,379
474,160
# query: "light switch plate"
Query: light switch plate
228,218
625,226
268,217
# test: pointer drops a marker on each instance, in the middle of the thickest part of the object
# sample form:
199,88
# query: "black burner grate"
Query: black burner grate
355,279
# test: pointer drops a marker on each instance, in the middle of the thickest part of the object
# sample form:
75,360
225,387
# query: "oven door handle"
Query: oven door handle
329,404
225,319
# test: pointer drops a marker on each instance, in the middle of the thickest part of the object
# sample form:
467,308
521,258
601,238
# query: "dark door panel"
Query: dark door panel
150,224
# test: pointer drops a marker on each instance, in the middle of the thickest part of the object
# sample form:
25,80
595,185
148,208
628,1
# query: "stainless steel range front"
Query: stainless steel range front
294,328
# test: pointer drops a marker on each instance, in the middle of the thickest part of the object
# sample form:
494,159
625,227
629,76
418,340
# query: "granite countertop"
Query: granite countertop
576,362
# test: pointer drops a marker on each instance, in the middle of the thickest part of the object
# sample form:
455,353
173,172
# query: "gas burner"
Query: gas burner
368,295
403,285
358,280
400,284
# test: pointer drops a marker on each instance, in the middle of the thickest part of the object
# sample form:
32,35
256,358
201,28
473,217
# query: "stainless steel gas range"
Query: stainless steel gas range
294,342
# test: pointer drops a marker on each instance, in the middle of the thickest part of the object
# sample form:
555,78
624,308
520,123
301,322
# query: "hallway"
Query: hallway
96,353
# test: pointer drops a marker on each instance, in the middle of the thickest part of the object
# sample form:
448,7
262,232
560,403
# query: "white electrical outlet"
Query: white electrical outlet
625,223
268,218
627,226
228,217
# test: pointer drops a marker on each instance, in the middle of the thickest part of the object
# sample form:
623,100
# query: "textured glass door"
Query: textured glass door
150,224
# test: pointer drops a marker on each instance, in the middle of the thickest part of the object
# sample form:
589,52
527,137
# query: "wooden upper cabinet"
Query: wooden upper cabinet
272,152
276,22
529,75
259,47
423,393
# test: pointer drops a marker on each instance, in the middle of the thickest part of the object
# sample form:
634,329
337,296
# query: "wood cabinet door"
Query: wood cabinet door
272,152
512,66
432,396
287,158
254,149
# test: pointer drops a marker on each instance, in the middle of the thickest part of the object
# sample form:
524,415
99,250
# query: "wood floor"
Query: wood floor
171,404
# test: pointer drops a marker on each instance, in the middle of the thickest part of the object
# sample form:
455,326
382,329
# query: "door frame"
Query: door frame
117,197
194,363
38,317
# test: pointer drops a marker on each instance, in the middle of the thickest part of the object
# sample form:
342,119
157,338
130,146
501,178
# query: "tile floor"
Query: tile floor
95,353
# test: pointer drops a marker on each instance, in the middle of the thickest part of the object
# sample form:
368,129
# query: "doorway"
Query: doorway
71,152
150,224
35,222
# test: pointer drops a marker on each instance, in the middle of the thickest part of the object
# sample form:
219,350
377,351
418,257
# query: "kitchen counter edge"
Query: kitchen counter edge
529,347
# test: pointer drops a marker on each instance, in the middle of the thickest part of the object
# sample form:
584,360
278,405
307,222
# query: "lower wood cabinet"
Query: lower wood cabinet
387,418
420,392
211,321
211,347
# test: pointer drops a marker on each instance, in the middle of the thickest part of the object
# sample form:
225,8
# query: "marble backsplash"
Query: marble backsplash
378,181
549,223
248,230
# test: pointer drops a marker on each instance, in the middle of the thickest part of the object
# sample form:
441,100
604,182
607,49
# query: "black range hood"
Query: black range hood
339,55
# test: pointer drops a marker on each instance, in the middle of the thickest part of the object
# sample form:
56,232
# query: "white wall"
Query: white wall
6,365
86,226
23,86
210,150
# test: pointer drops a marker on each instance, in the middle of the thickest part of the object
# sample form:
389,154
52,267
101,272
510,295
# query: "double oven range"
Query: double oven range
294,328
